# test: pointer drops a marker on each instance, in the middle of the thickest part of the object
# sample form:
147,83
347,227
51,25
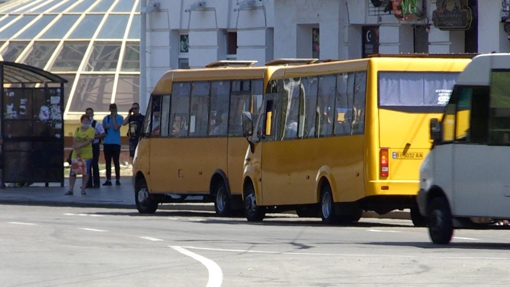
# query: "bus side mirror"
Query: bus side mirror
435,129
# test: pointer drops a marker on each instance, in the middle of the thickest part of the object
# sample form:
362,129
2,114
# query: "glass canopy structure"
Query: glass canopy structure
93,44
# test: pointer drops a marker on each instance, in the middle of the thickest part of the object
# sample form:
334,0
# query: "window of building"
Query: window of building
231,43
316,43
184,43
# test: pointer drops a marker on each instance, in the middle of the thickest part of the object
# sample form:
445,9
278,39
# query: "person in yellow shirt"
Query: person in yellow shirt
82,148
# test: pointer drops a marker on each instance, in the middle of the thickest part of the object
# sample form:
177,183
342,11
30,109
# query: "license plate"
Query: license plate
408,155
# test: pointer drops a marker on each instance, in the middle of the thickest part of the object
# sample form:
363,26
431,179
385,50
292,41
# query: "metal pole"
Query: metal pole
143,58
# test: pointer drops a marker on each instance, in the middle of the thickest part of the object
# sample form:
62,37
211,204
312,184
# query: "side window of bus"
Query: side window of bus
344,102
309,87
179,112
359,102
199,114
499,116
161,118
290,109
240,102
326,105
218,117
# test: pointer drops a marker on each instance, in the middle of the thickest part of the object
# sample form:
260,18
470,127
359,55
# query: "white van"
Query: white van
465,179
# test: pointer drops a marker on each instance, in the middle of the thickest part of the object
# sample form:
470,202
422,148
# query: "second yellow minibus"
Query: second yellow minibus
336,138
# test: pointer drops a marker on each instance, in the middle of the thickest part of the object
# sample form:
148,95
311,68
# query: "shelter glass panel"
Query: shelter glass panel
114,27
131,61
6,20
44,8
104,57
40,54
87,27
63,7
22,22
134,30
104,5
13,50
60,28
82,6
36,28
93,91
67,89
124,6
70,56
128,91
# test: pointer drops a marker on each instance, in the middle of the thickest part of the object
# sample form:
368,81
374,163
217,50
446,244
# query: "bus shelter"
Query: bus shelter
32,125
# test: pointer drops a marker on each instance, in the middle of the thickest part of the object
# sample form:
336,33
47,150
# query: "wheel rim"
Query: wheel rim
326,205
250,203
143,195
221,198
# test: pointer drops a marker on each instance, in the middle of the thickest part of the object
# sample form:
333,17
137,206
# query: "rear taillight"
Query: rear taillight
383,162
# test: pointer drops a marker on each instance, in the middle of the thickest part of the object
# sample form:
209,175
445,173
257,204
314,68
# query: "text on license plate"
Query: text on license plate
408,155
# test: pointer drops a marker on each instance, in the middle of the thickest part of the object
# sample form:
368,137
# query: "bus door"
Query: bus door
286,179
407,102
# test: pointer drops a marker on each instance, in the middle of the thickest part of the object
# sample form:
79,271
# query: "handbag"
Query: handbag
78,165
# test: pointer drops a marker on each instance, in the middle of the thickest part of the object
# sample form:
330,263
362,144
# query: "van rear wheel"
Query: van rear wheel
440,221
145,203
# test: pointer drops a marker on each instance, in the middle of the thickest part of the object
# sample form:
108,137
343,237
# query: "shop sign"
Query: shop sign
404,9
452,15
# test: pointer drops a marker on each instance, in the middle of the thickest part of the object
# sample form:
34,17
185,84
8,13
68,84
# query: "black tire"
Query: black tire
222,199
327,208
440,221
145,202
252,212
416,217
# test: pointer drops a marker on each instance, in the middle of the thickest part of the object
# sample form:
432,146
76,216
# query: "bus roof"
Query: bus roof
164,85
410,64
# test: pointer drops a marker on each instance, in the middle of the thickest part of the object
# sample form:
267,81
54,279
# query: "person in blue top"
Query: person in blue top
111,144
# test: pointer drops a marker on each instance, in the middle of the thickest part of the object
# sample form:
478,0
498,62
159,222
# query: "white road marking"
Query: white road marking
83,214
215,273
22,223
340,254
464,238
93,229
378,230
151,238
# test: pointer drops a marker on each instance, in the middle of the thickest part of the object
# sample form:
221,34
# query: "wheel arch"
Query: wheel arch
324,176
218,176
435,191
139,176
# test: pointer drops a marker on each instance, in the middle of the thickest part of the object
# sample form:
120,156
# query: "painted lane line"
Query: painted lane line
215,273
151,238
464,238
21,223
83,214
378,230
341,254
93,229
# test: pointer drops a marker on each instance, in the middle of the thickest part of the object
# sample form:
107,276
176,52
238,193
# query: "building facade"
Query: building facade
193,33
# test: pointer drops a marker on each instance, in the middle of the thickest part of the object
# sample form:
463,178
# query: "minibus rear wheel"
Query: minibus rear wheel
145,203
416,217
440,221
251,210
221,199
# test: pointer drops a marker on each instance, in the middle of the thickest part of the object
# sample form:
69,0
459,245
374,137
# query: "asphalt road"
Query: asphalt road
70,246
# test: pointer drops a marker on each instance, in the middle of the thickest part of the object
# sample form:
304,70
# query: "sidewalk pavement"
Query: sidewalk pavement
110,197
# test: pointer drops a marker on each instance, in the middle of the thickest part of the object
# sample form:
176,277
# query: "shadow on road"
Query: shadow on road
452,245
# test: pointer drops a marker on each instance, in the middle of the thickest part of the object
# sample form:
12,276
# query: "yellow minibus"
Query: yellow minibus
336,138
192,146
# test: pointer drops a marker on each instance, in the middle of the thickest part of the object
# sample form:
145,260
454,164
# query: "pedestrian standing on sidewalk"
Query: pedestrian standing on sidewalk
111,144
135,120
98,136
82,148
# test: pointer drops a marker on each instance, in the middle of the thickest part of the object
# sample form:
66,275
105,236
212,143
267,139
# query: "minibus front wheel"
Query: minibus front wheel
440,220
251,210
144,201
